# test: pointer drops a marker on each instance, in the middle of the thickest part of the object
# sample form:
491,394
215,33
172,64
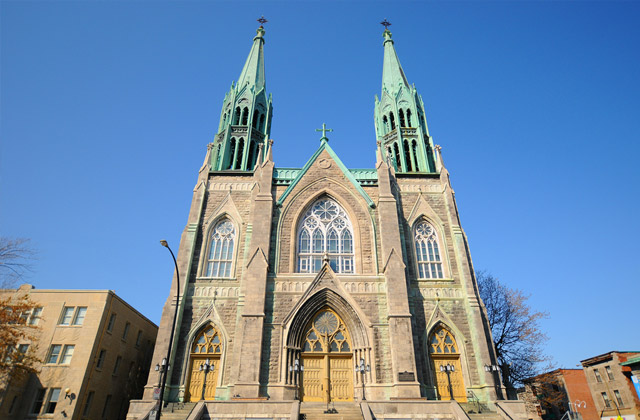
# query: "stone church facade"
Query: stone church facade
294,277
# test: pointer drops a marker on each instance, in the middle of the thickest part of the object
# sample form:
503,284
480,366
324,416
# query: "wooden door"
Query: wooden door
442,381
313,378
341,378
197,379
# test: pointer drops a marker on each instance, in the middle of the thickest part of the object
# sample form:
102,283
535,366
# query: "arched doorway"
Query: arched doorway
327,360
444,352
207,345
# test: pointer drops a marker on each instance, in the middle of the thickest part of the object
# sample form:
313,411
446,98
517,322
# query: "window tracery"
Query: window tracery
427,251
221,249
208,342
327,333
442,342
325,229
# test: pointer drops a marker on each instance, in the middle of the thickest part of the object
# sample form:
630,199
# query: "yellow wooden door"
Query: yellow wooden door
312,384
341,378
442,381
197,379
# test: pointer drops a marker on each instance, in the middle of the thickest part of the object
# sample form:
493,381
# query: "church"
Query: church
323,285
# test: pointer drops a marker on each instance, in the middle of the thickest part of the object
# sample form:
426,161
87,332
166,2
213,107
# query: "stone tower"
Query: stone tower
326,284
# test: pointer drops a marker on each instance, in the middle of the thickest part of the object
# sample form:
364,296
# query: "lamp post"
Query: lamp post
161,369
165,244
495,370
362,368
448,368
205,367
296,368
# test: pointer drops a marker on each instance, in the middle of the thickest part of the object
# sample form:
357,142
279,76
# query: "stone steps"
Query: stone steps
345,411
177,411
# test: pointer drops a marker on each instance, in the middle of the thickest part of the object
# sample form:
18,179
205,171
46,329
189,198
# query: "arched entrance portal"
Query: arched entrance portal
444,351
207,345
327,360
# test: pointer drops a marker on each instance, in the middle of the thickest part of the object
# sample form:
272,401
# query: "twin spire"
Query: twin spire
245,121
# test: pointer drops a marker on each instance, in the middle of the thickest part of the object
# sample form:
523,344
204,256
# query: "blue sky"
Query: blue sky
107,108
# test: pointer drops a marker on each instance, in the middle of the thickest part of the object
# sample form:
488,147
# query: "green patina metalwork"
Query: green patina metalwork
401,125
245,119
324,145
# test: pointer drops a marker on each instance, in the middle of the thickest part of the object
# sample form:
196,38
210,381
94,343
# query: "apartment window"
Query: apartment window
101,357
37,403
50,407
126,330
78,319
105,409
67,315
67,353
112,322
597,374
609,372
117,365
87,404
618,397
54,352
35,316
139,338
605,398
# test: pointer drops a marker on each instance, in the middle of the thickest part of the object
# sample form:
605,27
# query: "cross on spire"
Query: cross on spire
262,20
386,24
324,130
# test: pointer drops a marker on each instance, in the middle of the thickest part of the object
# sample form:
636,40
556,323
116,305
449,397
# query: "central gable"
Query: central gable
325,175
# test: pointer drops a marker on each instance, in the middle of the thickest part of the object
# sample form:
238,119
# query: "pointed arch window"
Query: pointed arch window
427,251
325,229
221,249
409,118
236,117
232,151
254,122
208,342
262,122
392,120
238,164
327,334
401,116
385,123
245,115
407,156
396,156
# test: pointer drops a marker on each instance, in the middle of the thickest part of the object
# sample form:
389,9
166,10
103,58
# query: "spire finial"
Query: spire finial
386,24
262,21
324,130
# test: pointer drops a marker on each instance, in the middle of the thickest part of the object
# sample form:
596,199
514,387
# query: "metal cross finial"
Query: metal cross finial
324,130
262,20
385,23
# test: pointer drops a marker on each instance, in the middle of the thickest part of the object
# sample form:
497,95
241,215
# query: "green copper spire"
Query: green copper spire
401,126
245,120
393,77
253,70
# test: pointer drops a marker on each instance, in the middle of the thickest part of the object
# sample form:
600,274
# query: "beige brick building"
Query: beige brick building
611,385
326,268
91,343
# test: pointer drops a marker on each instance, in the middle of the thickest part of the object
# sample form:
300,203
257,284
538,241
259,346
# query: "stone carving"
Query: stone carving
226,186
438,292
213,291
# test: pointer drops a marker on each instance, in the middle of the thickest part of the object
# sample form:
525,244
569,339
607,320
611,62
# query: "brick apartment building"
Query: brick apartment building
91,343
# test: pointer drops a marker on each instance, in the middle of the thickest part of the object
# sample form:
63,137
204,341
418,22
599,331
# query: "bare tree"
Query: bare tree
16,257
516,330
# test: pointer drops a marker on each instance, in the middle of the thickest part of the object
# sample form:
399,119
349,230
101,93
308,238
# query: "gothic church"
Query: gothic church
325,284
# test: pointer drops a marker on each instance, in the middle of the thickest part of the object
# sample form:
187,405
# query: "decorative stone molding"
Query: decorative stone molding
226,186
438,292
213,291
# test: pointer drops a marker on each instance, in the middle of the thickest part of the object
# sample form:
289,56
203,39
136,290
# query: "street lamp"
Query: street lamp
161,369
296,368
165,244
362,369
495,371
205,367
448,368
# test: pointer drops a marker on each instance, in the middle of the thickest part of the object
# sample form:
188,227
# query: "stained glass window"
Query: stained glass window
325,229
427,251
207,342
327,333
442,342
221,249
